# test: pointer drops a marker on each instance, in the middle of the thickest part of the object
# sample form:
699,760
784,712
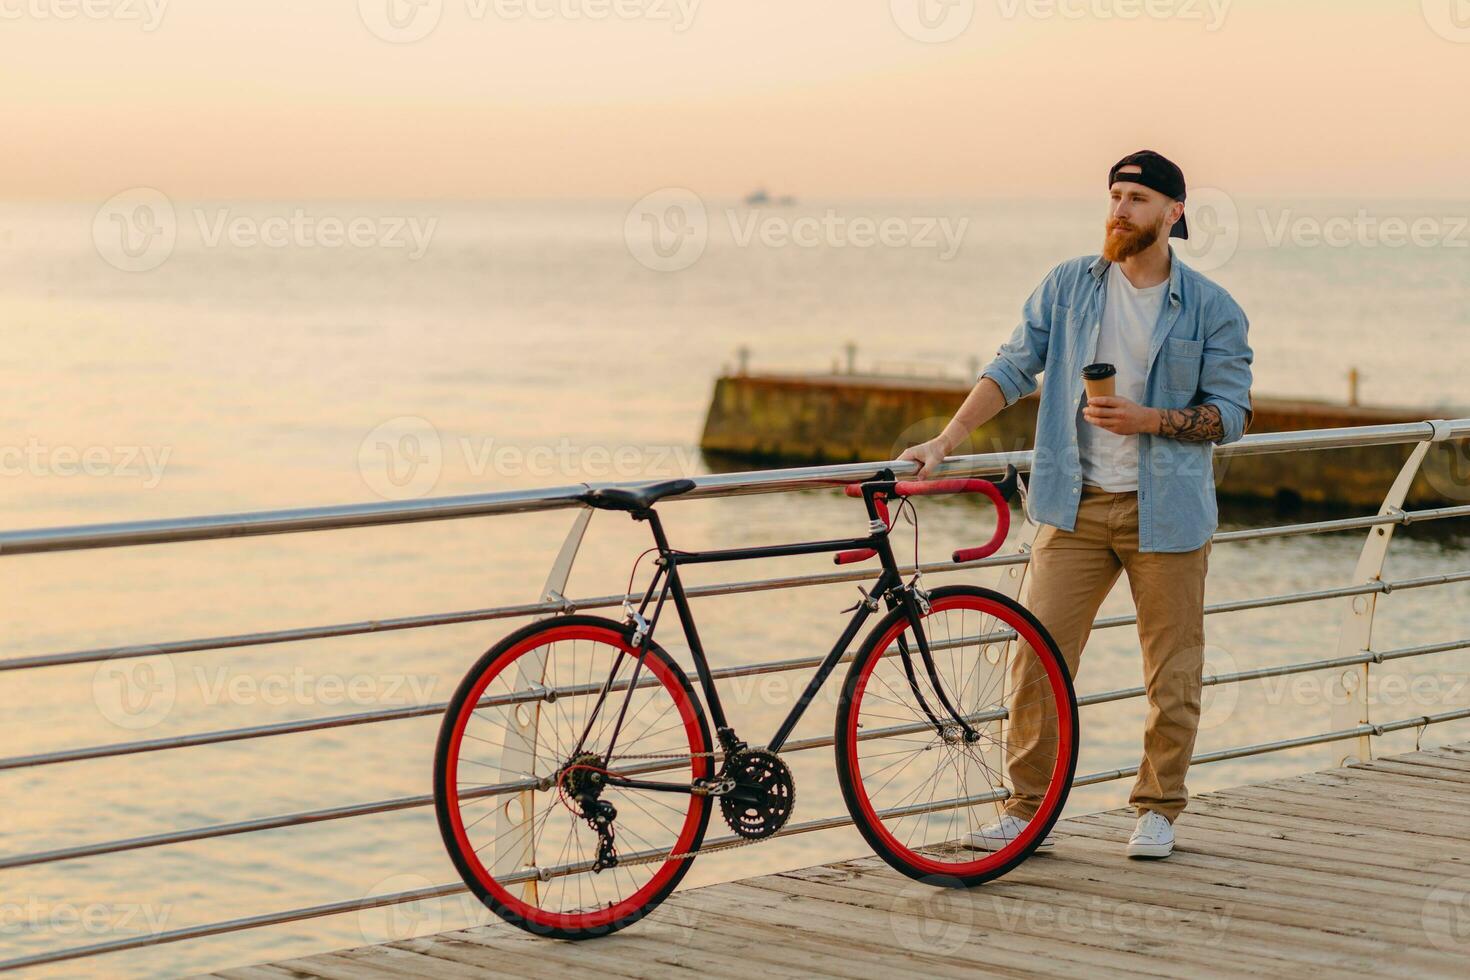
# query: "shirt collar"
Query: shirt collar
1099,272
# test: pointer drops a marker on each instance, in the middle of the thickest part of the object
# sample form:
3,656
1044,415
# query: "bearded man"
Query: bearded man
1122,482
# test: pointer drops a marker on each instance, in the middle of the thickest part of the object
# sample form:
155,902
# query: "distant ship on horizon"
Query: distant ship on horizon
759,197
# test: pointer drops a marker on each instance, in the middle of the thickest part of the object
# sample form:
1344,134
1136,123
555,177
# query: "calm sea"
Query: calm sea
287,354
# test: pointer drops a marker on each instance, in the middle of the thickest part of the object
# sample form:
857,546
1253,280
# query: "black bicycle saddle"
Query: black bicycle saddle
639,498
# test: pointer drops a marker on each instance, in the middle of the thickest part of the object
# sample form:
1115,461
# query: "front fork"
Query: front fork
915,603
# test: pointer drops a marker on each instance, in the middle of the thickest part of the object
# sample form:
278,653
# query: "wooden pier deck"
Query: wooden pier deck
1363,870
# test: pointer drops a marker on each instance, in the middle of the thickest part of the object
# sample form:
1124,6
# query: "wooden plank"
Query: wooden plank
479,956
1246,926
1304,901
1440,801
1242,875
628,953
1174,937
1366,788
409,963
1346,819
861,944
1416,770
1049,949
1048,884
499,939
1438,798
1325,873
1391,867
335,966
1262,900
1228,856
1433,757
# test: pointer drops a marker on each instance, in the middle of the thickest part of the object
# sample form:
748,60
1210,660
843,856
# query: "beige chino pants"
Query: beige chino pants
1072,573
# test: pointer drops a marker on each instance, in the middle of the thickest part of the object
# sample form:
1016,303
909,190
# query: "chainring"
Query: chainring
763,796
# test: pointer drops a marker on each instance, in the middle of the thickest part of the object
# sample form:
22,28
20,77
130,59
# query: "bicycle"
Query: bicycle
542,771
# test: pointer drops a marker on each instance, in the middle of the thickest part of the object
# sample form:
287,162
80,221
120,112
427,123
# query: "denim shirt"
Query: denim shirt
1198,355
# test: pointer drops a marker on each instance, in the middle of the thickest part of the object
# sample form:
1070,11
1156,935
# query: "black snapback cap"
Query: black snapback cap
1158,173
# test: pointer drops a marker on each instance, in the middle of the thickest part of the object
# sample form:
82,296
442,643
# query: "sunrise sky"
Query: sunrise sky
539,98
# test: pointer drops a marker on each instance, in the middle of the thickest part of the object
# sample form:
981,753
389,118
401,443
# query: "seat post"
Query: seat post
656,526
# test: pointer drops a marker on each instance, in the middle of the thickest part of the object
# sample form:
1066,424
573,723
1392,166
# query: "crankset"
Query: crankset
763,796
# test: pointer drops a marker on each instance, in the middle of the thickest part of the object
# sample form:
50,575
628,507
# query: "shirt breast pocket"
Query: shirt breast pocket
1182,360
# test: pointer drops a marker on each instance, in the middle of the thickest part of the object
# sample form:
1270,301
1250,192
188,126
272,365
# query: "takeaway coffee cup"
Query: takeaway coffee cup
1099,379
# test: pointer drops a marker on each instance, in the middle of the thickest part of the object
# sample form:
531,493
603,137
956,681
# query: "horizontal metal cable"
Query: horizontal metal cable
468,616
459,617
1366,657
824,823
419,711
796,745
303,818
437,891
220,526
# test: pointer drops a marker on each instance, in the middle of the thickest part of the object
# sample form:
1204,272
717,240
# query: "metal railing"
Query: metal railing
1350,736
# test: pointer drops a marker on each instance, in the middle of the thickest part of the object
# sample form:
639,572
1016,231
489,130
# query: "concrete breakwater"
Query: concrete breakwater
826,418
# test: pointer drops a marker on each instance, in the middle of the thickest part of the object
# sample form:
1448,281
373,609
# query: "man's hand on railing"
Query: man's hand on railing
928,455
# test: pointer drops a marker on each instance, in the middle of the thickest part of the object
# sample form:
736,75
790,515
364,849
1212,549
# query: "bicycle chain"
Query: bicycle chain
686,855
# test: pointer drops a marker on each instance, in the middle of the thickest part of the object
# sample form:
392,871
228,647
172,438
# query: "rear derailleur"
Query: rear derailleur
584,782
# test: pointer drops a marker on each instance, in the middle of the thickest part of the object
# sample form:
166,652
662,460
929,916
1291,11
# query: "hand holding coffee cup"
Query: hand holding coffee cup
1100,379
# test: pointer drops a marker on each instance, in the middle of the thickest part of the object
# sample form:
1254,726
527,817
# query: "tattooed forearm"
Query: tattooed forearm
1198,423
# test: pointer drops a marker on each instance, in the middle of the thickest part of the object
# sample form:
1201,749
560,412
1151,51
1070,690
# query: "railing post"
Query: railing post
513,815
1349,692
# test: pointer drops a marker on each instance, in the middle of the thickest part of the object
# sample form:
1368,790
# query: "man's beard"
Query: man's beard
1132,241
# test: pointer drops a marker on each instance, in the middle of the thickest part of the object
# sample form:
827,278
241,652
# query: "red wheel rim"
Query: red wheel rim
1061,771
596,918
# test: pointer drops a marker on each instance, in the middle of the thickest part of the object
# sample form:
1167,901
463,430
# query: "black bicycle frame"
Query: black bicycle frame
666,582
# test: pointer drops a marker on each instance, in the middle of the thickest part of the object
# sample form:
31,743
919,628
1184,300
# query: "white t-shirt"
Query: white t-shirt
1109,460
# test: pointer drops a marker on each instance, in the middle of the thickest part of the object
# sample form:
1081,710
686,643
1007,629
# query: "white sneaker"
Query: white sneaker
997,836
1152,838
